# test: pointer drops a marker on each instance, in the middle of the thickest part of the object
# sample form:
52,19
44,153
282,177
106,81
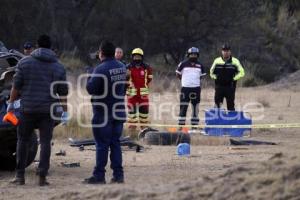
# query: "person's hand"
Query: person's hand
10,107
213,76
64,118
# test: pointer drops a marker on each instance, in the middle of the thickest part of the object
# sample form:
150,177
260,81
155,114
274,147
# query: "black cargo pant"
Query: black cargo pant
227,92
189,95
29,122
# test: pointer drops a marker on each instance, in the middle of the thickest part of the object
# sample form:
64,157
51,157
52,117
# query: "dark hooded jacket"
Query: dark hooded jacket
34,78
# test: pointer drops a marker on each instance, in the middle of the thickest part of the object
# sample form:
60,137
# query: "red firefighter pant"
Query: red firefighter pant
138,109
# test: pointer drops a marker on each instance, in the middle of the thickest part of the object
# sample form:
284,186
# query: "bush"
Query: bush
250,79
72,63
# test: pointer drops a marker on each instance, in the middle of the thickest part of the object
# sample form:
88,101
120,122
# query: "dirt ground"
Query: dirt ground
214,170
158,173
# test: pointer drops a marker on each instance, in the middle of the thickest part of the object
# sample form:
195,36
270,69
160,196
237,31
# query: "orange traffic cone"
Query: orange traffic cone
10,117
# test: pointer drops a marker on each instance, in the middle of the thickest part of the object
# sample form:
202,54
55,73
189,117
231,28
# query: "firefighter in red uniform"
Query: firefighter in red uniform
139,77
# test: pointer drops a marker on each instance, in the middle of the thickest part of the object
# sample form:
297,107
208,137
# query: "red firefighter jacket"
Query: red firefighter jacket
140,75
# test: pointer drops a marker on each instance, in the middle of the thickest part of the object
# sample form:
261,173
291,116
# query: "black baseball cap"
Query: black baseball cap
28,45
225,46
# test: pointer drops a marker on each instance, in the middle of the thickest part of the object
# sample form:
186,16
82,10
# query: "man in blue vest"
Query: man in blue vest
107,87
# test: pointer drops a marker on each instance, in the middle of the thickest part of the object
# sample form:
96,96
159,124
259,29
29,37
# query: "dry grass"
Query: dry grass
278,105
72,63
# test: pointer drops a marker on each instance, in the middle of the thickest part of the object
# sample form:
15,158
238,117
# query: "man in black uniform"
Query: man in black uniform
226,70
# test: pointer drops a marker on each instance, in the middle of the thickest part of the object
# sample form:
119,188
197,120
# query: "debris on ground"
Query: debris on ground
124,141
61,153
250,142
70,165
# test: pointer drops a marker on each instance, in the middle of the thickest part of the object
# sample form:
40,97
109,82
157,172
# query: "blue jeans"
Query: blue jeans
107,137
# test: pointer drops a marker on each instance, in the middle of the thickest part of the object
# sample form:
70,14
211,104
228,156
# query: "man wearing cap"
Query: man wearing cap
107,87
28,48
190,72
226,71
34,83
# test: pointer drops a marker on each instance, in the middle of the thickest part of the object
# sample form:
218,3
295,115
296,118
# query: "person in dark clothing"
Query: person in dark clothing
28,48
107,87
32,82
190,72
226,71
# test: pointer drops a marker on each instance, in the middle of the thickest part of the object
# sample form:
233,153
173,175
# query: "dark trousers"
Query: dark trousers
107,137
29,122
189,95
227,92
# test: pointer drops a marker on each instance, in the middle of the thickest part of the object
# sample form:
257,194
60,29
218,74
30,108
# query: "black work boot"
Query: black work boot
117,180
43,181
94,180
18,180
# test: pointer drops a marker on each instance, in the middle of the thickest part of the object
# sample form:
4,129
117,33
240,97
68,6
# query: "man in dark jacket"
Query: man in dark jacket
226,71
107,87
34,78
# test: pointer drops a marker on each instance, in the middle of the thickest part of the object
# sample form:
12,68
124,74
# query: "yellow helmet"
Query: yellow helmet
137,51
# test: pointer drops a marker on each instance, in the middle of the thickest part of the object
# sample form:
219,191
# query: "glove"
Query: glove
64,118
10,107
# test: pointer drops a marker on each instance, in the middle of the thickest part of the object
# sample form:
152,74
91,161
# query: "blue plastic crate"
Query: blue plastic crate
223,117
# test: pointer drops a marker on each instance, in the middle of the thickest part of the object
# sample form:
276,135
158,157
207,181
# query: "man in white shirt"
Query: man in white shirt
189,72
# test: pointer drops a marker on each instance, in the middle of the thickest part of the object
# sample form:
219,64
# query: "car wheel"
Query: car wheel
8,156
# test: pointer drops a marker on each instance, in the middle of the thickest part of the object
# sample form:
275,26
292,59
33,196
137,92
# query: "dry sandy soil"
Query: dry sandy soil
211,172
214,170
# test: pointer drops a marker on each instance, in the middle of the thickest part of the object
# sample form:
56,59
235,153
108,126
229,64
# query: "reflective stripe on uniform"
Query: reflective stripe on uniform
144,120
132,115
131,91
146,78
143,115
144,91
132,120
